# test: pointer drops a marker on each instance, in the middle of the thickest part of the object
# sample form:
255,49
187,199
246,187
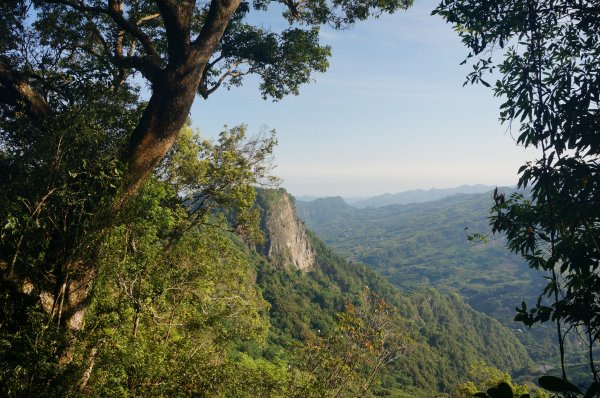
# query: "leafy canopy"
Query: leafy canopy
546,57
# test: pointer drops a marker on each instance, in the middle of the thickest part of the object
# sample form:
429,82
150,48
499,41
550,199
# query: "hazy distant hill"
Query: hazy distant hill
418,196
347,199
425,244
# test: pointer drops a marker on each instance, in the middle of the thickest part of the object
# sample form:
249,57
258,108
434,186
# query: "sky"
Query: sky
390,114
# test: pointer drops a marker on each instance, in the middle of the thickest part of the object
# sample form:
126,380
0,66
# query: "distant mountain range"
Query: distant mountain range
418,196
405,197
347,199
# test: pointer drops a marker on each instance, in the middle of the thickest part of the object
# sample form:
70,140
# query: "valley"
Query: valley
424,245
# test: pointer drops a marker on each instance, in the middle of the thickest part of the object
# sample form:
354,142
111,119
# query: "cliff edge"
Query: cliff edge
286,239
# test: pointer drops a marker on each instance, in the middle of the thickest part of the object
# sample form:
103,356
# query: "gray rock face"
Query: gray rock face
286,239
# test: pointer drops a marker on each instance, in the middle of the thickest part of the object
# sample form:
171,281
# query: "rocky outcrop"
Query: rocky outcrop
286,239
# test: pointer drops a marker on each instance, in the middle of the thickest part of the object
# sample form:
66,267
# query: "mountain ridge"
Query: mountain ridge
403,197
448,334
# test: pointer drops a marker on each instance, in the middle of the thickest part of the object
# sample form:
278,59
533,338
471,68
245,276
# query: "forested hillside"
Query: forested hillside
205,294
137,258
446,336
424,245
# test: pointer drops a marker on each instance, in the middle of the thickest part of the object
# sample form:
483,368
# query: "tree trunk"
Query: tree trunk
164,116
69,300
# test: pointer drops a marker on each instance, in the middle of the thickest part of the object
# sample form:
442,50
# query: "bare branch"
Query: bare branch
147,18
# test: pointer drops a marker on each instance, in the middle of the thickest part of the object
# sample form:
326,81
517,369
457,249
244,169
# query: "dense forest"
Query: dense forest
139,259
393,241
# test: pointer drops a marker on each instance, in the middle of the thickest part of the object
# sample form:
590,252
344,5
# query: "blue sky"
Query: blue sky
390,114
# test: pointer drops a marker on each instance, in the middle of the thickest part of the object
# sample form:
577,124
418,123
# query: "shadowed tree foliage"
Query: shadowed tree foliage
153,265
546,57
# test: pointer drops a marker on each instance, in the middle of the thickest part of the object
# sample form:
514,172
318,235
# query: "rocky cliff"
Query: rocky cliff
286,239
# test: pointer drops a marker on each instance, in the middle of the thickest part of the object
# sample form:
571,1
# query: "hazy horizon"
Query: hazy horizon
403,122
356,197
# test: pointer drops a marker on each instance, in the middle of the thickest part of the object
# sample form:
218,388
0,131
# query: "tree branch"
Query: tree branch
119,48
113,11
205,91
149,68
173,93
147,18
146,67
79,6
116,13
177,17
219,15
17,91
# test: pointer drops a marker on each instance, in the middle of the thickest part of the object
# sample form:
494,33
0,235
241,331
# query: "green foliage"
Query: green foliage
178,299
485,378
166,314
219,177
58,180
173,292
558,386
347,360
393,241
283,59
30,344
550,90
446,335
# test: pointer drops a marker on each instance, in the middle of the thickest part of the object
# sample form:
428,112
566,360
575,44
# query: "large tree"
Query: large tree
93,94
180,48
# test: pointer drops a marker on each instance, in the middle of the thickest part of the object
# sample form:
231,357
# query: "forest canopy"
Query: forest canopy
76,111
124,235
128,243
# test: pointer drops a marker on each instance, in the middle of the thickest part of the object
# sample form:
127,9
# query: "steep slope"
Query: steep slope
447,334
286,239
